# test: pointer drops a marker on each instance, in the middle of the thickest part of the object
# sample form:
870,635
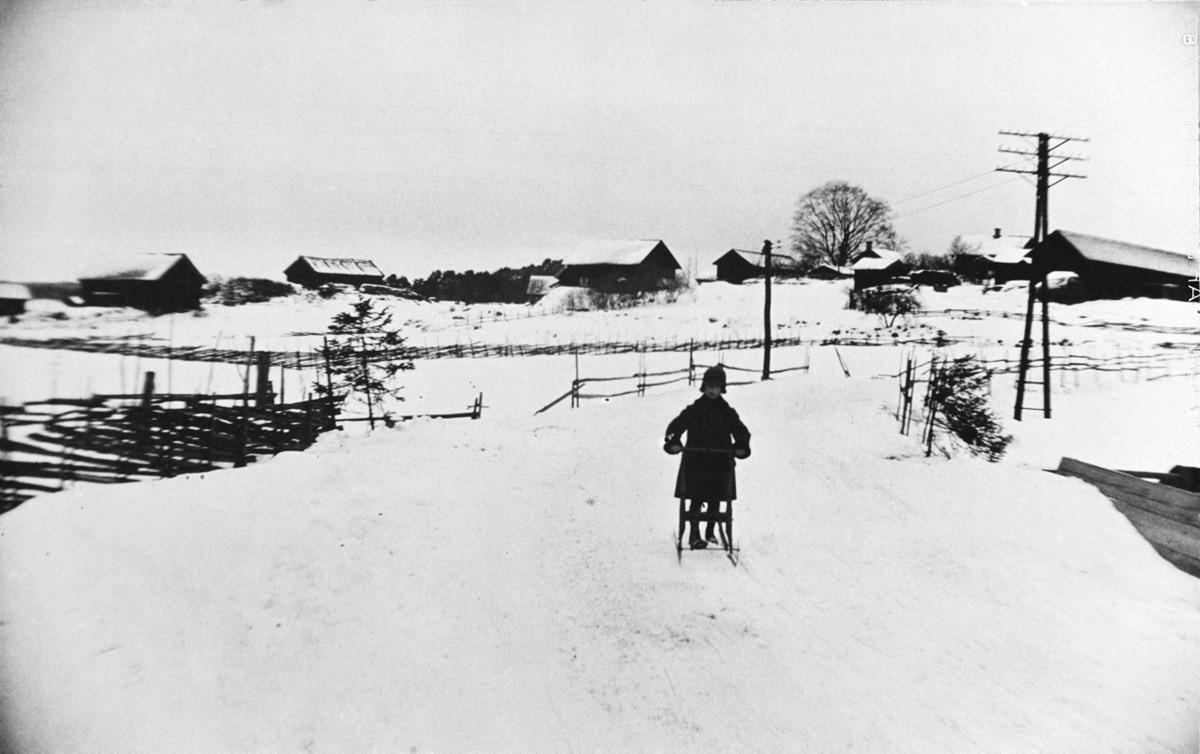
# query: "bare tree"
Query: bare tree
833,221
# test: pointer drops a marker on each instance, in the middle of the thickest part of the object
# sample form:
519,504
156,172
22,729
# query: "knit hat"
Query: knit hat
714,376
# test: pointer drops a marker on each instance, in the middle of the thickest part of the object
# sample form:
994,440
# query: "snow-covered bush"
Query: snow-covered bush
889,302
242,290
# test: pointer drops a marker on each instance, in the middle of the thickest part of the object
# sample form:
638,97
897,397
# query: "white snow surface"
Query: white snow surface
511,584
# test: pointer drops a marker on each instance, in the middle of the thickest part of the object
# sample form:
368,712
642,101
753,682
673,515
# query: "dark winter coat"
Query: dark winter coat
710,424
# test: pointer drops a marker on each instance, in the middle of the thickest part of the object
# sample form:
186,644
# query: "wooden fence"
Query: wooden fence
313,359
918,379
46,445
643,379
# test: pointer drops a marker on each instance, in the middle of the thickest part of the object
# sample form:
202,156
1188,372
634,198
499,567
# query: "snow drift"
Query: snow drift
511,585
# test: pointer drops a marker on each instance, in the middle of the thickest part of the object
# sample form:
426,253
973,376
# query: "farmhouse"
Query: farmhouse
877,266
1115,269
151,282
621,266
738,265
12,298
999,257
313,272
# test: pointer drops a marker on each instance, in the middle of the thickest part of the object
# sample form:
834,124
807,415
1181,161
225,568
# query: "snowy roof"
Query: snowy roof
756,258
876,259
539,284
15,292
1130,255
613,252
1005,249
131,267
341,266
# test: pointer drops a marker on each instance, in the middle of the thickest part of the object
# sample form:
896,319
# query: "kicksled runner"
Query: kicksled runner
720,513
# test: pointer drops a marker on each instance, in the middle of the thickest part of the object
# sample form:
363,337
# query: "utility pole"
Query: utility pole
766,252
1039,268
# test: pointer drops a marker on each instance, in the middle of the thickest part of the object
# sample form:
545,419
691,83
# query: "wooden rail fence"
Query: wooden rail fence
46,445
642,379
313,359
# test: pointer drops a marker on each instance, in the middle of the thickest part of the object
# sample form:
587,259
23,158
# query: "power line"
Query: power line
958,197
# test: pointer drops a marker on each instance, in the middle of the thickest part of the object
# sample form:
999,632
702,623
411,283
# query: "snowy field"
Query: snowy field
510,584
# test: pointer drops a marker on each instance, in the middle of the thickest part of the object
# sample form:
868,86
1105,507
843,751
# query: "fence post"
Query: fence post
262,381
641,375
147,391
691,361
935,377
575,382
328,367
144,416
366,367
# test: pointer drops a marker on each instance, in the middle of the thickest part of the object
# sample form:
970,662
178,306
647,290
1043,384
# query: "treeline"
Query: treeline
504,286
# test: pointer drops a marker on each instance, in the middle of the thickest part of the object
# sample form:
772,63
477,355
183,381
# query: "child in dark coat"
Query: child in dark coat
715,435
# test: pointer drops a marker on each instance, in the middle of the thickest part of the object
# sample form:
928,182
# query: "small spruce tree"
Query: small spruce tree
363,353
960,395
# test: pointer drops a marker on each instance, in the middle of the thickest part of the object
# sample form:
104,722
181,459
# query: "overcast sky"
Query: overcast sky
475,134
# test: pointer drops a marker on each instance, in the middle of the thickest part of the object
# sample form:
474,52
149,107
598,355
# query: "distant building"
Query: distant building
877,266
1115,269
621,266
826,271
152,282
997,257
738,265
313,272
13,297
538,286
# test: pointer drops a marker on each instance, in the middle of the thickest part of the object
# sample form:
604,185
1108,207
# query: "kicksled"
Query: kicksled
720,513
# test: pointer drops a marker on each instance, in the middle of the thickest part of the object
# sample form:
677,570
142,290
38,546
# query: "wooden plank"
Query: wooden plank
1127,497
1185,563
1163,531
1118,481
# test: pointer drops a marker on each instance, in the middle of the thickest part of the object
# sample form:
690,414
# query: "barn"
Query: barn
1115,269
151,282
738,265
313,272
877,266
621,266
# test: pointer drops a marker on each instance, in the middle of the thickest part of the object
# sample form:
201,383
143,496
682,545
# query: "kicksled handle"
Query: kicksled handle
697,451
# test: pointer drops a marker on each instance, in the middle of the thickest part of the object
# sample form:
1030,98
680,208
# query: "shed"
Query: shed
877,266
1116,269
13,297
826,271
621,266
738,265
152,282
538,286
313,272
